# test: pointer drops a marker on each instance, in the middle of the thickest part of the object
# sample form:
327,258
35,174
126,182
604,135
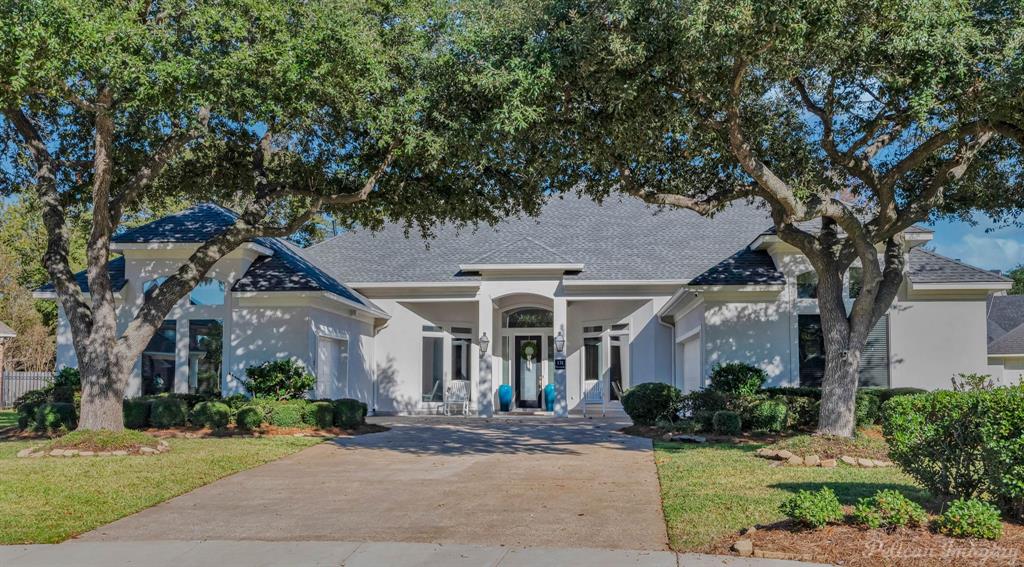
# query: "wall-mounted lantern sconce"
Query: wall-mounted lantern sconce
484,343
560,342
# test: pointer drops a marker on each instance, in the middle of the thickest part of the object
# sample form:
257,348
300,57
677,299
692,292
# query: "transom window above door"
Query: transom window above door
527,318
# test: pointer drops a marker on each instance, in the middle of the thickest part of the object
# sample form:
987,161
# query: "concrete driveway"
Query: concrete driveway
518,482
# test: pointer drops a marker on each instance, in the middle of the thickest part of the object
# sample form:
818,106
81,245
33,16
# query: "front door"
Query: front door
528,365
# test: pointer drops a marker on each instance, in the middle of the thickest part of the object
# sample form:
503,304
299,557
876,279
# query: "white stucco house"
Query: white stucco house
589,298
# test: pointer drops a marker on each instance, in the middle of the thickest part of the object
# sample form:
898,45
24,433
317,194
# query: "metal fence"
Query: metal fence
17,383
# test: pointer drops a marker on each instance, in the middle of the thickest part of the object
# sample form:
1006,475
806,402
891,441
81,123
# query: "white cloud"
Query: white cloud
989,252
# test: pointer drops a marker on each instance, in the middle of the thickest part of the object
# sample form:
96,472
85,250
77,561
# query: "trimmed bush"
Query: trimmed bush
249,418
166,411
727,423
319,414
646,403
768,415
962,444
737,379
236,401
27,404
136,413
279,380
287,413
888,509
971,518
349,413
813,509
701,405
866,412
215,415
54,416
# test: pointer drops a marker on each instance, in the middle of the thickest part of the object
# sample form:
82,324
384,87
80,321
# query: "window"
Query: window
205,353
433,368
615,365
856,282
591,358
807,285
461,349
208,292
874,361
158,360
528,317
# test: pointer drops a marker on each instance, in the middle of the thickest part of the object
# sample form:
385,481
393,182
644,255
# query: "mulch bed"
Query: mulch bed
660,434
904,547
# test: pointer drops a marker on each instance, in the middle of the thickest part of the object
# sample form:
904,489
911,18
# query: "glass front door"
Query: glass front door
529,362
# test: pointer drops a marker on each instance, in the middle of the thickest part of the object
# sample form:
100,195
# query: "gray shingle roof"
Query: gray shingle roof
1006,324
623,239
197,224
523,251
929,267
115,268
746,267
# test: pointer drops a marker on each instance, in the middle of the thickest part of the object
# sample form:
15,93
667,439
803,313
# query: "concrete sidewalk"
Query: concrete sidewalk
347,554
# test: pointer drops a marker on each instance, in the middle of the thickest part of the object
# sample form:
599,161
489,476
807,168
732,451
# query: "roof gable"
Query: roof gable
928,267
115,269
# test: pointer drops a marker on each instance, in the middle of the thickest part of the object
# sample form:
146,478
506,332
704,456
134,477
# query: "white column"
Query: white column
560,313
485,386
181,362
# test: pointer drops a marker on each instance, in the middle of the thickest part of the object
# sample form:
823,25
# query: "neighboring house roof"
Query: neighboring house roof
1006,324
6,332
621,239
928,267
115,268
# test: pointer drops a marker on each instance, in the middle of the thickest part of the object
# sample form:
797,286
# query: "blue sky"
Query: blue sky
986,244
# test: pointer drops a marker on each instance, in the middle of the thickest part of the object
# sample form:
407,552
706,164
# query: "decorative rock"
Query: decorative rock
689,439
148,451
784,455
867,463
749,530
848,460
163,448
828,463
37,454
766,453
882,463
25,452
812,460
57,453
795,461
86,454
119,453
103,454
744,547
70,452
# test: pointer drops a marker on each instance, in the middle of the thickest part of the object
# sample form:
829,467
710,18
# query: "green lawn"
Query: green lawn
711,491
51,499
8,419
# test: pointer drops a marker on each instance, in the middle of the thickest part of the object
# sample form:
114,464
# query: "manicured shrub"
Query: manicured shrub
278,379
136,413
727,423
349,413
236,401
166,411
27,404
970,518
287,413
936,438
678,426
249,418
319,414
866,411
813,509
888,509
701,405
646,403
215,415
54,416
191,400
737,379
68,377
768,415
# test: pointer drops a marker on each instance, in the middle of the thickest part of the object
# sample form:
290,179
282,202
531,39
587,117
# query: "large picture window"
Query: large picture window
205,354
874,362
158,360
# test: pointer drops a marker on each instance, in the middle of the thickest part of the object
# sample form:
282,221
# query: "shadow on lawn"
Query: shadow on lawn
849,492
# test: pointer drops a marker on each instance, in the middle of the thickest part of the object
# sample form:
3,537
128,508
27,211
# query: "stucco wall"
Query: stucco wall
359,334
933,339
756,332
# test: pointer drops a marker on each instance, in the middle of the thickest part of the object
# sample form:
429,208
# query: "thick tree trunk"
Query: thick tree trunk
842,354
104,381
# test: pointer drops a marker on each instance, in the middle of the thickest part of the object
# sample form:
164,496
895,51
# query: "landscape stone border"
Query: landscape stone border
784,457
745,548
36,452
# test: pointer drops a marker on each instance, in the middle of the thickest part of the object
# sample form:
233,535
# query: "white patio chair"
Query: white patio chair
593,394
457,395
